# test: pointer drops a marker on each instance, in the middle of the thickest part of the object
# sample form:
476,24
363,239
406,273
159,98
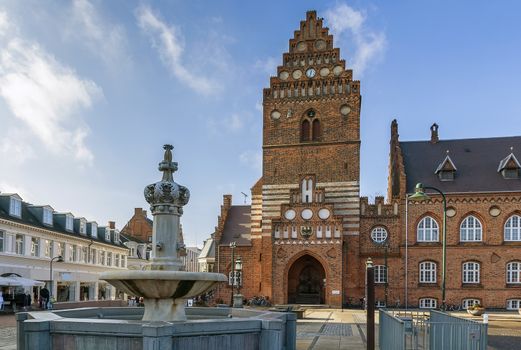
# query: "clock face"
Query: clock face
310,73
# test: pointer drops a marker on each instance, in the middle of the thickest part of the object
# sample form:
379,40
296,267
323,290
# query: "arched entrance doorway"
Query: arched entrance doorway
306,281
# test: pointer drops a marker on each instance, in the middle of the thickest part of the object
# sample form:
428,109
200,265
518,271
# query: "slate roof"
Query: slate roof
29,219
237,226
477,163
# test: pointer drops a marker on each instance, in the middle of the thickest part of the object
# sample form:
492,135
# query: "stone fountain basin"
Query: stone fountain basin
152,284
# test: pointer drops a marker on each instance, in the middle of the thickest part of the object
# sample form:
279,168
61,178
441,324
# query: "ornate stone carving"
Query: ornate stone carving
166,196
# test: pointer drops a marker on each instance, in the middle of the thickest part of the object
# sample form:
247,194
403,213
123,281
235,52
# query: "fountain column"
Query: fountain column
166,199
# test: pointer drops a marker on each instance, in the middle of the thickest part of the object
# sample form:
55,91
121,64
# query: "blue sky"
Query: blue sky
90,90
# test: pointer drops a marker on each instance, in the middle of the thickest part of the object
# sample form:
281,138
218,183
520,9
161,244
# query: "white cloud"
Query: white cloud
369,45
252,159
105,40
10,188
46,96
4,23
167,40
268,65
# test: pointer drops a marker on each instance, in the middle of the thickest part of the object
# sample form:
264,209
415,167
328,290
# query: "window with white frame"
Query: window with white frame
61,250
428,272
35,246
124,261
116,260
514,272
84,254
116,236
83,227
47,216
69,222
109,259
74,251
307,190
380,303
132,251
513,304
427,303
379,234
15,207
469,302
428,230
19,248
48,248
107,234
101,258
94,256
471,230
380,274
471,272
2,241
513,228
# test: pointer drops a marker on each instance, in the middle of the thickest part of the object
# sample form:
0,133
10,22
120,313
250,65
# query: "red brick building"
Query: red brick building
307,234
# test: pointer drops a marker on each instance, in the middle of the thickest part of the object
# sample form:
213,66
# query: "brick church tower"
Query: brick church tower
305,209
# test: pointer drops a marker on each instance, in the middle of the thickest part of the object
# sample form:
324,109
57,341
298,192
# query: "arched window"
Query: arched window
310,128
513,228
428,230
380,274
379,234
514,272
471,230
428,272
316,130
305,133
471,272
427,303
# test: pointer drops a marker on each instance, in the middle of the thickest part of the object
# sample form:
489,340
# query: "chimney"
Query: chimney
144,213
434,133
227,201
137,211
112,225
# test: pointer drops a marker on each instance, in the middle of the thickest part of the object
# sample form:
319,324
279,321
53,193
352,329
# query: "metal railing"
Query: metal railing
434,330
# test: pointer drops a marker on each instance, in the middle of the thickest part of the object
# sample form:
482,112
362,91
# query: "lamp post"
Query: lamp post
420,195
58,258
233,245
369,297
237,298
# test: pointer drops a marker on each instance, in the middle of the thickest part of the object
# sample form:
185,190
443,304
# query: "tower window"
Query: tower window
310,127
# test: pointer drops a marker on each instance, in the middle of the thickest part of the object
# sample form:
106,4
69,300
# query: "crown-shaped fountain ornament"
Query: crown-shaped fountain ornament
163,286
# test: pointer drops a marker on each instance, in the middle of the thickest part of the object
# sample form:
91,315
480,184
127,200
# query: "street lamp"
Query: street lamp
420,195
237,299
233,245
58,258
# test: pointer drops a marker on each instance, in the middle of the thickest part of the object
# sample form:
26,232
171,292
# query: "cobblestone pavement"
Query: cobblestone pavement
7,332
325,329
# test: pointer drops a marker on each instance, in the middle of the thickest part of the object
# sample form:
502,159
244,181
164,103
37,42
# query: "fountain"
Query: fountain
162,285
163,323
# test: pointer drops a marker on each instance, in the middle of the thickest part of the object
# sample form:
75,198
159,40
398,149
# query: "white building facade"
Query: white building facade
31,235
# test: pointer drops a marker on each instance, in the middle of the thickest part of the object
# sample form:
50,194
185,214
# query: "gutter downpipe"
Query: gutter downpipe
406,250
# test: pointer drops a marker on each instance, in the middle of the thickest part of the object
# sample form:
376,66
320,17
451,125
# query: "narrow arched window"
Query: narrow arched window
305,131
316,130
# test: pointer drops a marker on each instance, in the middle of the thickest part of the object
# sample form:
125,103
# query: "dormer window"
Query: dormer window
47,216
116,236
69,222
15,207
94,230
83,227
446,170
107,234
509,167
